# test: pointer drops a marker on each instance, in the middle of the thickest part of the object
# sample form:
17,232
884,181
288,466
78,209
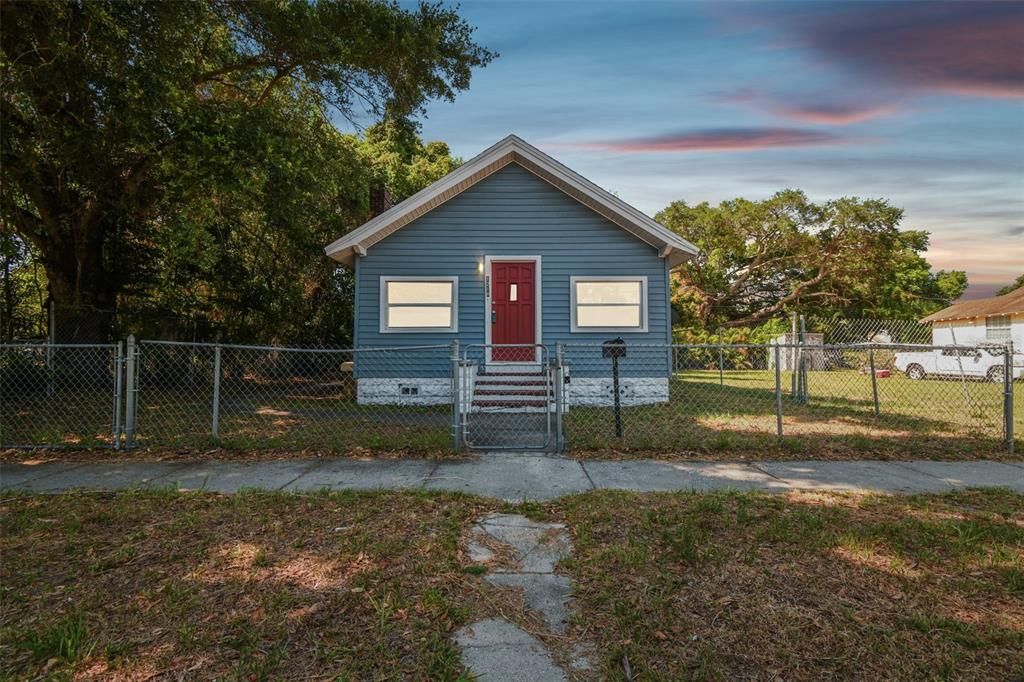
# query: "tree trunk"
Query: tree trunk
84,293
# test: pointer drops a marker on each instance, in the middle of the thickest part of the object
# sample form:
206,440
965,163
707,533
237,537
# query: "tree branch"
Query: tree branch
781,303
256,62
278,77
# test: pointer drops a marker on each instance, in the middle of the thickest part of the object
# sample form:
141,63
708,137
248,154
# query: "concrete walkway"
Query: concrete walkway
515,476
521,554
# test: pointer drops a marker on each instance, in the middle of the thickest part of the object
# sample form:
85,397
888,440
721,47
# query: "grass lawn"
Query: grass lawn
803,586
79,418
291,418
706,419
182,420
253,586
370,585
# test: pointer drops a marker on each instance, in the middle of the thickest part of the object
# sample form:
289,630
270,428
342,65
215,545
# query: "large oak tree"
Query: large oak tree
761,259
144,142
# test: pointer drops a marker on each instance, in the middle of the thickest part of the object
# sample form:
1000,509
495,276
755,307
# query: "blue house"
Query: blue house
510,254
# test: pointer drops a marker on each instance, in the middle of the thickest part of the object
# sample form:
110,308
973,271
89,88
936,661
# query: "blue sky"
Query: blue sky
919,103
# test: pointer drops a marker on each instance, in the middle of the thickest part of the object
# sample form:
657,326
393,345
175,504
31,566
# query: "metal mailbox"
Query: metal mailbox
613,348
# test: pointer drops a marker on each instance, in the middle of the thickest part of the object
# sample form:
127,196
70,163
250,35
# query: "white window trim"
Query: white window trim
386,329
575,329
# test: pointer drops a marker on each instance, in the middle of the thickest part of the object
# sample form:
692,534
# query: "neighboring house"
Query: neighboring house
985,320
512,248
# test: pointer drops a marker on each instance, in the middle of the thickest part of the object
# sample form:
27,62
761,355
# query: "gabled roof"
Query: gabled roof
1006,304
513,149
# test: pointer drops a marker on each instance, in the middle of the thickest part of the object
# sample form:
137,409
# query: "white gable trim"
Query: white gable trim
670,245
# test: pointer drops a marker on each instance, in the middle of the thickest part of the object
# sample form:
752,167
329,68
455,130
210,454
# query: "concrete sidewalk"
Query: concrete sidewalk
515,476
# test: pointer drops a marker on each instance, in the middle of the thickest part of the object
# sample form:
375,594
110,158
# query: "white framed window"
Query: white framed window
419,304
997,328
605,304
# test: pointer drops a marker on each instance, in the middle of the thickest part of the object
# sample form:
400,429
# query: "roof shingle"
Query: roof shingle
1006,304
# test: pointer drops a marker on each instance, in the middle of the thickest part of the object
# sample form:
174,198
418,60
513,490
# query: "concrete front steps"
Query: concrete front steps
512,392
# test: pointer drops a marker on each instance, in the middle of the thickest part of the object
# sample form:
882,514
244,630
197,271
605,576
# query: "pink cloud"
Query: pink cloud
719,140
970,48
833,114
812,109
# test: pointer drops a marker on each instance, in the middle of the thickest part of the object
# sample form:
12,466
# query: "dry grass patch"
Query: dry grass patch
804,586
370,585
251,586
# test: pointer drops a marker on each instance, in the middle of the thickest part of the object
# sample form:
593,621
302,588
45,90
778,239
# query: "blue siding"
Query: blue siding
355,327
510,213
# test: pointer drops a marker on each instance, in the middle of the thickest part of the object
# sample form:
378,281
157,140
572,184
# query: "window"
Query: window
409,304
609,303
997,328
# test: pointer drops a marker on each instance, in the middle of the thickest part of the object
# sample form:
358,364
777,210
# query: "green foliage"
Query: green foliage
65,640
760,259
1012,286
22,291
401,161
744,345
248,263
164,156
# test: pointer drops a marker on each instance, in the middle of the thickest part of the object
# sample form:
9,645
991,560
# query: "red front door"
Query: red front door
513,310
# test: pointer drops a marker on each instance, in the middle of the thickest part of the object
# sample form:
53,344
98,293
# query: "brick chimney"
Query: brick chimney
380,200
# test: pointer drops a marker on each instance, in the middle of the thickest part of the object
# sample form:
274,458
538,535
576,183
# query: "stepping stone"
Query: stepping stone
478,553
551,549
495,649
544,592
536,546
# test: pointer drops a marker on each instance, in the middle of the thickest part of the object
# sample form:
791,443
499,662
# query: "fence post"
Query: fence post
721,360
617,399
559,379
118,370
874,379
792,357
216,392
778,393
1008,395
131,392
456,397
802,364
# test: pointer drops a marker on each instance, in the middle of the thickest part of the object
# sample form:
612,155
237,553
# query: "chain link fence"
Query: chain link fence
260,396
814,398
60,395
904,400
842,330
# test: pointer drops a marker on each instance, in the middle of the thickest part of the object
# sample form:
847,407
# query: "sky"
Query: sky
920,103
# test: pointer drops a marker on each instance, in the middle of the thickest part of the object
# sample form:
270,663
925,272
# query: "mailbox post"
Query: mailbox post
615,349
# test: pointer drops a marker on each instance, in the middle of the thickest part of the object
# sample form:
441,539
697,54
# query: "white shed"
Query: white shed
985,320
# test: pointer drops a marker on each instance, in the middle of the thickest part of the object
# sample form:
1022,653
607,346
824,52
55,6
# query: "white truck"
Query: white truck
984,362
